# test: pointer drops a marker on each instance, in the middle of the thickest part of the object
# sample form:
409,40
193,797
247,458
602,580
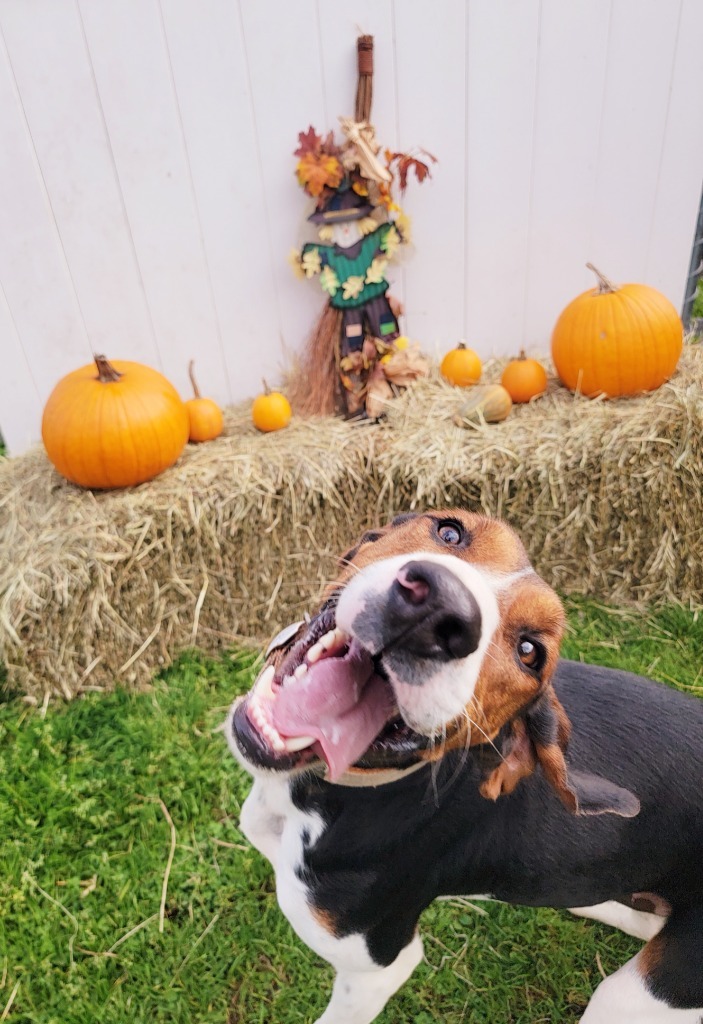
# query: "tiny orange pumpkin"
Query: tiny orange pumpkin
270,411
524,378
204,414
461,366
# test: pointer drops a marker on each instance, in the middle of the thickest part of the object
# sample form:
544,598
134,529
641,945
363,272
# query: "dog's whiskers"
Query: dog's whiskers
473,724
474,706
442,738
349,565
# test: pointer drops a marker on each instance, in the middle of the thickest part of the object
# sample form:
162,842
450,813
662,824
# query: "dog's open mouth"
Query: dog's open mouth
327,699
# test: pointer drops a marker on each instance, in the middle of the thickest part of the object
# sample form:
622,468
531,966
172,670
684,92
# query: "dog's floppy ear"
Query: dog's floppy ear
519,761
580,792
541,737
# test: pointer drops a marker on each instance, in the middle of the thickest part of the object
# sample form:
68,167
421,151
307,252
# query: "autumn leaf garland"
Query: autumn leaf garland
319,168
329,282
405,163
311,262
353,285
322,166
377,271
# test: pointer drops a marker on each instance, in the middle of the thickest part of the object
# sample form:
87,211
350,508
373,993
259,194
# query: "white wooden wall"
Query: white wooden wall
147,195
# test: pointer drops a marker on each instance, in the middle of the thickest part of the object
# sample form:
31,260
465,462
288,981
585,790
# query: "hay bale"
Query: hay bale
238,538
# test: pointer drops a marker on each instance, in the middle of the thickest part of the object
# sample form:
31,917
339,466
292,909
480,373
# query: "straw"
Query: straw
239,537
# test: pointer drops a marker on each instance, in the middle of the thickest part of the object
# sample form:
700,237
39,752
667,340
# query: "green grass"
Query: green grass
697,309
85,843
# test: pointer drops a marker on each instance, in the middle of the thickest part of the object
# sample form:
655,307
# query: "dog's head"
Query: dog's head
437,635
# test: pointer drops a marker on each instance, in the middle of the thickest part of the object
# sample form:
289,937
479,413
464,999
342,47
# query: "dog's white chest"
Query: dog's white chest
282,832
276,827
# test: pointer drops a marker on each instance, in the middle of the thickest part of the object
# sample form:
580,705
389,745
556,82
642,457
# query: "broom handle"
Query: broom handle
364,87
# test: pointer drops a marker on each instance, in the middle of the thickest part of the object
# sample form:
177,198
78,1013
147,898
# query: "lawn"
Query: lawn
104,800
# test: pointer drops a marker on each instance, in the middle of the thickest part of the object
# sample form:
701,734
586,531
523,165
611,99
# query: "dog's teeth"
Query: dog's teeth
286,681
297,743
258,715
274,738
334,640
315,653
263,683
300,671
329,639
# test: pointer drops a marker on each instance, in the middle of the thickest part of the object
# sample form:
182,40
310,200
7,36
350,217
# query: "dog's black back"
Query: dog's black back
386,853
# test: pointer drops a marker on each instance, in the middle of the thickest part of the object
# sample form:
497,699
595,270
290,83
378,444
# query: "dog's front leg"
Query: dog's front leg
359,996
263,816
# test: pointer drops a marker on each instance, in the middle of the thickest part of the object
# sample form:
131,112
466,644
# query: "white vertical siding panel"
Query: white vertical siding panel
209,68
20,404
339,27
33,271
570,85
502,65
640,62
431,62
148,200
283,57
68,134
681,164
132,70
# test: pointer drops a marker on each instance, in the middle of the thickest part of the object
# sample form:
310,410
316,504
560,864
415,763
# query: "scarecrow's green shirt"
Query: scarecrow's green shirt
352,277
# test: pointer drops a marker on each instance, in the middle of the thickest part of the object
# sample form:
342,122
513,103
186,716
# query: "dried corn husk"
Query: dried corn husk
406,366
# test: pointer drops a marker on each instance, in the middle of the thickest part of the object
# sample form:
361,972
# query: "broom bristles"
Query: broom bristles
313,386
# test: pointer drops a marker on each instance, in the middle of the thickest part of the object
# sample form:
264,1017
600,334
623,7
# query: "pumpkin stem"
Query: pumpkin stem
267,389
462,344
107,373
194,383
522,355
605,285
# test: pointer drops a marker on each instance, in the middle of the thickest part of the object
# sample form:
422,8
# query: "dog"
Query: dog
409,741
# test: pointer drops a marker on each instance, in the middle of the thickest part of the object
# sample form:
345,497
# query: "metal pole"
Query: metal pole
695,269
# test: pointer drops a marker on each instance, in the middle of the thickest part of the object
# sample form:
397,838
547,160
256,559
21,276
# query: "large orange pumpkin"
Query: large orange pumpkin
113,424
617,340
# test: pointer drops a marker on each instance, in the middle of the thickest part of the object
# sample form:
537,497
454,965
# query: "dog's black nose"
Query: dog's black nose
431,614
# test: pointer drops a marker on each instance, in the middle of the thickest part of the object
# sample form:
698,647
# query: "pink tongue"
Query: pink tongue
339,701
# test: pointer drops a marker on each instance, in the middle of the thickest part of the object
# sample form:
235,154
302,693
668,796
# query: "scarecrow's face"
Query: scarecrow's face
346,234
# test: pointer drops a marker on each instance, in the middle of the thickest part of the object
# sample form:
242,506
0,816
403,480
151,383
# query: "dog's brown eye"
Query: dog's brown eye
450,533
530,654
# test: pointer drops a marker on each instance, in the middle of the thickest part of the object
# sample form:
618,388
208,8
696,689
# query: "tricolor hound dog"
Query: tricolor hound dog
409,742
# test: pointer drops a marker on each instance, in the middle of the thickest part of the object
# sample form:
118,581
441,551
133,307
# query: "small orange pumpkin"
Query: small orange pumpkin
617,340
461,366
113,424
204,414
524,378
270,411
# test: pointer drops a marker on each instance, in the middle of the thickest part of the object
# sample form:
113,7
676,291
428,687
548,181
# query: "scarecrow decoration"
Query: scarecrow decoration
355,357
